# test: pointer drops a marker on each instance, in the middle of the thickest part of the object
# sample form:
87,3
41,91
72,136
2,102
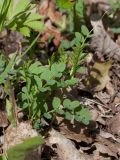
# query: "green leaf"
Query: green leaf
35,68
79,7
68,116
3,157
47,115
83,115
8,68
36,25
56,102
59,111
61,84
47,75
65,44
44,89
84,30
2,64
25,105
25,91
82,70
78,38
65,4
51,82
61,67
74,104
10,10
33,17
67,103
71,105
4,6
20,6
10,114
38,81
72,81
19,151
116,30
29,83
46,107
25,31
57,68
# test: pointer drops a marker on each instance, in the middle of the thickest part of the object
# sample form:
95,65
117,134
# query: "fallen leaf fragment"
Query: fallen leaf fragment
16,135
3,119
99,76
114,147
65,148
48,10
107,135
114,124
101,148
74,131
101,42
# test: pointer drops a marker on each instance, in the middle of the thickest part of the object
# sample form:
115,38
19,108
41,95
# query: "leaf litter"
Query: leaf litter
100,140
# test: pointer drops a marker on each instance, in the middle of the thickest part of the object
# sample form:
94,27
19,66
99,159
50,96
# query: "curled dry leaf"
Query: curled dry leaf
101,42
65,148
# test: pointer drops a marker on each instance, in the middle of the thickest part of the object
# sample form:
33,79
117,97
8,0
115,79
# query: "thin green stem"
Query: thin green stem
31,45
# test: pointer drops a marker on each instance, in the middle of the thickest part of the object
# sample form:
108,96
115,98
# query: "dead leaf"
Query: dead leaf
99,76
103,5
107,135
101,42
114,124
101,148
74,131
114,147
48,10
110,89
3,119
43,8
51,32
65,148
16,135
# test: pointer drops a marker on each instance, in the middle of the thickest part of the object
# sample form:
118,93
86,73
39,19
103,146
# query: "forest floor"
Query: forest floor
69,139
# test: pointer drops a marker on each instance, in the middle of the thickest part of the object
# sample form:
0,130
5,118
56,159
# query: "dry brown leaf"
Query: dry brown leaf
107,135
74,131
110,89
48,9
101,4
16,135
51,32
103,97
65,148
101,42
99,76
3,119
114,124
114,147
101,148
